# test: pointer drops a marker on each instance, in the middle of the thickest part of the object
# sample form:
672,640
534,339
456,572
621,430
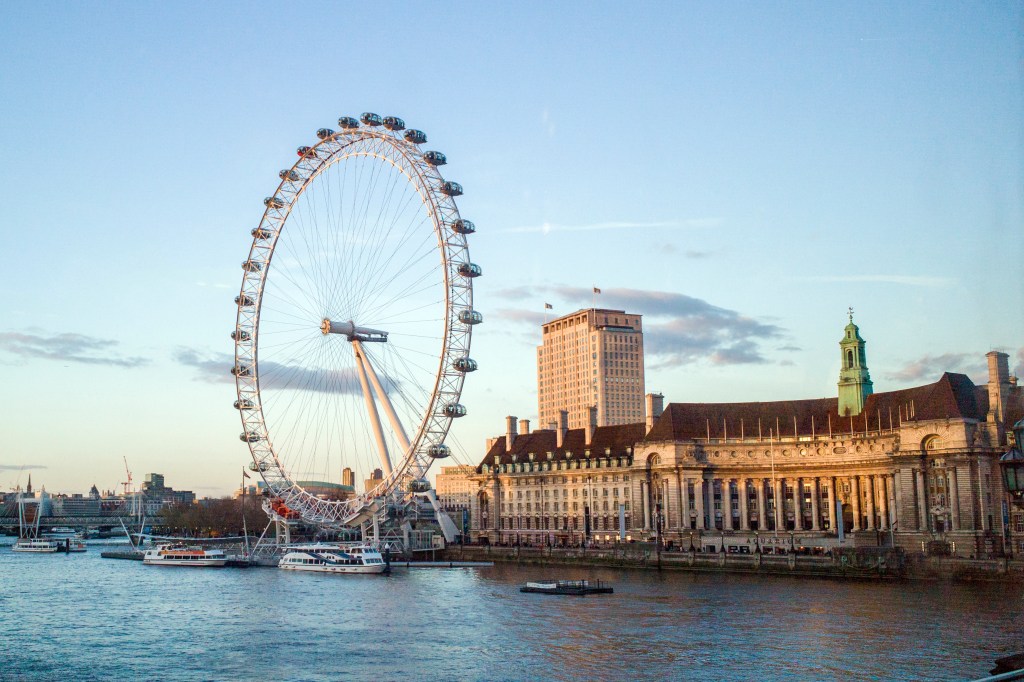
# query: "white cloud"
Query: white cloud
907,280
547,227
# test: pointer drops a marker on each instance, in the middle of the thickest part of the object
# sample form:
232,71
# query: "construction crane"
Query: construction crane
127,484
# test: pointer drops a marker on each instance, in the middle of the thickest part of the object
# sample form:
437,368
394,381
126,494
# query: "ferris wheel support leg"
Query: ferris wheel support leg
371,409
448,527
389,409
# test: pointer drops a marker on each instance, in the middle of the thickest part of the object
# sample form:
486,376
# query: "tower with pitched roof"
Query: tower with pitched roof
854,381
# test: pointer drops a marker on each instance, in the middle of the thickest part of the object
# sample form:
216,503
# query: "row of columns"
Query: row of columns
871,498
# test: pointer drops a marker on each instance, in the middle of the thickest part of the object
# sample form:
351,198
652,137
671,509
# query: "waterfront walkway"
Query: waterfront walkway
859,563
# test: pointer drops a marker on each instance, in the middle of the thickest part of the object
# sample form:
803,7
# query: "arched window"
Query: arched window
849,357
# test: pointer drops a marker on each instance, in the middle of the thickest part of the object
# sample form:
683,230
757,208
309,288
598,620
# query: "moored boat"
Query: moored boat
324,558
37,545
571,587
184,555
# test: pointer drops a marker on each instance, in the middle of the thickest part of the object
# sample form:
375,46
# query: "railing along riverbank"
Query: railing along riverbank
852,563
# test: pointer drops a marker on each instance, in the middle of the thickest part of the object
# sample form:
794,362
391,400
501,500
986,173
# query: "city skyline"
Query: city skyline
739,178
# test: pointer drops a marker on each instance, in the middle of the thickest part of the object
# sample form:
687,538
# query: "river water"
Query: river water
81,617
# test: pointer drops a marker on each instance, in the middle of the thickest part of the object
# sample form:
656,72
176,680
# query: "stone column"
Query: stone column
815,510
723,487
832,524
798,503
684,504
645,498
855,502
922,506
728,523
762,522
883,502
890,482
954,499
698,500
869,490
744,493
780,514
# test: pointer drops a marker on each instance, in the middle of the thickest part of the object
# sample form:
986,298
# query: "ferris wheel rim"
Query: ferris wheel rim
408,159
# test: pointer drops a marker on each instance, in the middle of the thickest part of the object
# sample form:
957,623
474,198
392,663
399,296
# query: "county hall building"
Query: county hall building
916,468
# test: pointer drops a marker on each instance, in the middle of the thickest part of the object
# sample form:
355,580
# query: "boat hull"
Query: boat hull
196,563
378,568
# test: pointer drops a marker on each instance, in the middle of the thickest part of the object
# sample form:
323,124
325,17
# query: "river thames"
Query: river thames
81,617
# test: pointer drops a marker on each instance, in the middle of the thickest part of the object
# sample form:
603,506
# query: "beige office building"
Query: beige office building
592,357
454,487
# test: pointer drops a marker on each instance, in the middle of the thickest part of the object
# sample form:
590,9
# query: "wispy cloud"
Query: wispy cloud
1018,370
216,368
906,280
931,367
678,329
547,228
67,347
549,125
20,467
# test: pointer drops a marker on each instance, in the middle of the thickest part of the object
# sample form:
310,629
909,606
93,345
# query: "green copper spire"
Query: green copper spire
854,381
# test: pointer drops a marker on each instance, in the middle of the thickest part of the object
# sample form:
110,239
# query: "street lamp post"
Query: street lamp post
1012,465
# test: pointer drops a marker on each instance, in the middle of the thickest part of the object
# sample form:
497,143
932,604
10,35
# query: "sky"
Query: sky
738,173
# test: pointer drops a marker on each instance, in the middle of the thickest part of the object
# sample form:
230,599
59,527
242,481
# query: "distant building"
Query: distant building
454,487
373,481
591,358
348,478
157,495
917,468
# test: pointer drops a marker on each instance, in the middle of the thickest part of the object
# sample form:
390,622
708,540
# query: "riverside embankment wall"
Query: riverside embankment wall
852,563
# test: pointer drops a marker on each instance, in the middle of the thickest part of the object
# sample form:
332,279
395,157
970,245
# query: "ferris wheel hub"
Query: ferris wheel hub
352,332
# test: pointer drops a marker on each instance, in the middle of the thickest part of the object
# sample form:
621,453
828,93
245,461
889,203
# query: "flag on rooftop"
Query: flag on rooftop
547,306
596,290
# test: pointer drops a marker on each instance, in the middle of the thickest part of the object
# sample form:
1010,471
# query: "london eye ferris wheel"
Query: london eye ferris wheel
354,320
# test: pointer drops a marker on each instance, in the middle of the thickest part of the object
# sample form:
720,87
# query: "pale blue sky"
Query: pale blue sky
740,173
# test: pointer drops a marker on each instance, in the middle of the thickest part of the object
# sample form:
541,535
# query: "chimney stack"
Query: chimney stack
510,433
591,423
563,427
998,385
655,406
524,426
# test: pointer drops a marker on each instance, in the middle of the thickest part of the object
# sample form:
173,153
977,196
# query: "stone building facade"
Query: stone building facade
916,468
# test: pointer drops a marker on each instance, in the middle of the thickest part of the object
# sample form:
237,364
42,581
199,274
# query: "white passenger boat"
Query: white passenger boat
183,555
61,533
36,545
324,558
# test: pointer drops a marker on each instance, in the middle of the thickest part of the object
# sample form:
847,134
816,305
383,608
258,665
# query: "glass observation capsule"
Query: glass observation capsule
435,158
419,486
470,317
415,136
348,123
241,370
261,233
244,301
243,405
240,335
454,410
463,226
289,175
466,364
324,133
452,189
371,119
469,270
249,437
394,123
274,202
253,266
439,451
